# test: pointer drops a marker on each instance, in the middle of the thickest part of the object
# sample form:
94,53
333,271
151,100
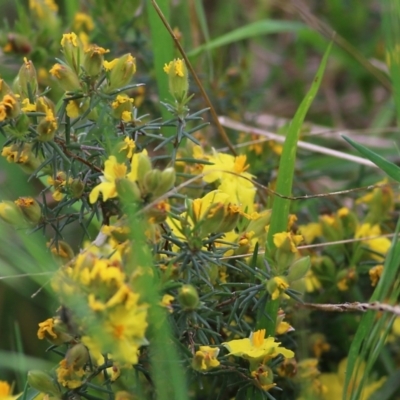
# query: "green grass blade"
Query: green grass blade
163,52
258,28
391,169
391,29
281,206
358,349
71,8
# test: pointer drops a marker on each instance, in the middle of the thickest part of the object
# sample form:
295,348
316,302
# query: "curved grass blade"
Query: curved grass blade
281,206
258,28
391,169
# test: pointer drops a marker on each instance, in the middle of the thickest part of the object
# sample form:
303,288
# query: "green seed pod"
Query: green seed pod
43,382
188,297
30,208
299,269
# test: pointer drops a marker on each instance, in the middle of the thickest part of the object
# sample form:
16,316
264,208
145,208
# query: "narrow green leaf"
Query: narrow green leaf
163,53
281,206
258,28
390,270
391,169
71,8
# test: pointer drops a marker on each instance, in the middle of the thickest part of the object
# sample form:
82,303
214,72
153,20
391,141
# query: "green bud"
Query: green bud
77,356
22,125
167,181
283,259
188,297
4,88
127,190
178,80
144,166
11,213
152,180
30,208
299,269
66,77
258,225
27,78
77,187
73,51
122,70
43,382
93,60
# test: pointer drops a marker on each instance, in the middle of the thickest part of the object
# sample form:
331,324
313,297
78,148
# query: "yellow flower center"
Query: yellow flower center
240,164
258,338
119,170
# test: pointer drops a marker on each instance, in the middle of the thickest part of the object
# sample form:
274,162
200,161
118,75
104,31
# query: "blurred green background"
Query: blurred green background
252,71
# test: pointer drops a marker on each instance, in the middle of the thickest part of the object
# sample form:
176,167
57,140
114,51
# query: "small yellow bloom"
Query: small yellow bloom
6,390
205,358
256,347
27,106
82,22
112,171
287,240
375,274
69,377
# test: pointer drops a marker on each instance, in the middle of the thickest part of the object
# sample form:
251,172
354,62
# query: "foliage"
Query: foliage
165,267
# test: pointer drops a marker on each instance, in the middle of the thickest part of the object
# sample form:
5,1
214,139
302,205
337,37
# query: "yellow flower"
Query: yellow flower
69,377
233,179
334,383
6,390
375,273
82,22
378,245
310,231
112,171
277,286
205,358
27,106
257,348
288,241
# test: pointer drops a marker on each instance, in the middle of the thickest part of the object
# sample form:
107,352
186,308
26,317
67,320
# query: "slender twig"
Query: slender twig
197,80
353,307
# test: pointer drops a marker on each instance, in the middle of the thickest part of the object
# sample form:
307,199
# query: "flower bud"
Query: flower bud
143,166
231,218
77,107
93,60
11,213
127,190
4,88
166,182
122,107
47,128
62,250
22,125
77,356
276,286
23,156
258,225
188,297
264,376
122,70
30,208
27,79
44,104
66,77
177,79
43,382
299,269
77,187
9,107
73,51
17,43
152,180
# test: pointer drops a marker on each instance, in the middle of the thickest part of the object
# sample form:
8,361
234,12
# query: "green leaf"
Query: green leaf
163,53
281,206
391,169
258,28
